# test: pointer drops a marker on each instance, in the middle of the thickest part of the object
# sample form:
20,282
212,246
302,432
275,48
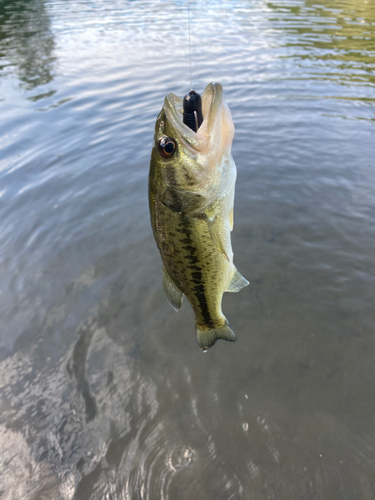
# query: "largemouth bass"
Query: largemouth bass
191,195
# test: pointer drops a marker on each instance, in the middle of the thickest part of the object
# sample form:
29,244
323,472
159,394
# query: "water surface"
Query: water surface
104,391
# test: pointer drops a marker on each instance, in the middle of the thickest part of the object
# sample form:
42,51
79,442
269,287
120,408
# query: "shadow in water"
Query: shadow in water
76,367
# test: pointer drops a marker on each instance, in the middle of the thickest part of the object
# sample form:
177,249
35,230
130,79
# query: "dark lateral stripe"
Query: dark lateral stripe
198,287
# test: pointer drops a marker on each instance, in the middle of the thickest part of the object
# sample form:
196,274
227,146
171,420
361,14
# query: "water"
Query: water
104,391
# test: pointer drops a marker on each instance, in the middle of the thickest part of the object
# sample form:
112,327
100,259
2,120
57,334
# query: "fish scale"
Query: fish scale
200,266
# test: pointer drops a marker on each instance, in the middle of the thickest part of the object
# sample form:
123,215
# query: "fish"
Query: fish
191,196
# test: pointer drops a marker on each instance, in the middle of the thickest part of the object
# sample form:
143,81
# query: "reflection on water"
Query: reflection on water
104,393
340,42
26,42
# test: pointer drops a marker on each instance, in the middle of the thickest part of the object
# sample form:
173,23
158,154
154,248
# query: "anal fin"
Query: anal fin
173,293
237,282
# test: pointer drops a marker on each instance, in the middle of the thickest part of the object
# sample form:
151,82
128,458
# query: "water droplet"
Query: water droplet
180,458
204,349
246,396
245,426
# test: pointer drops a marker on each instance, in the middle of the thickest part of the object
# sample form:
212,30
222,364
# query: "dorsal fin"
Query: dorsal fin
173,293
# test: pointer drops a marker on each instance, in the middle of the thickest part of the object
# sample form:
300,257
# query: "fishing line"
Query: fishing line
192,102
191,83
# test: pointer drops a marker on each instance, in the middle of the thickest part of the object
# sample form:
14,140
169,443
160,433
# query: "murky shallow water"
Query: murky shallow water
105,393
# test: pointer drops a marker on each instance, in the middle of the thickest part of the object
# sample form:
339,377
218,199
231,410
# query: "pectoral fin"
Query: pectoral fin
231,219
174,294
212,227
237,282
183,202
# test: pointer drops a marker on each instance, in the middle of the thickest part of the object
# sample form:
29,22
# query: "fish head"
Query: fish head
194,168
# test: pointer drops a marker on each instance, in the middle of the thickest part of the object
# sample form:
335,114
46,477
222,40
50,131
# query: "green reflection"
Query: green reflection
26,42
342,34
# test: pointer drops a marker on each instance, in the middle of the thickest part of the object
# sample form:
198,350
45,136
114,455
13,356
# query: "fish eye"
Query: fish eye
166,146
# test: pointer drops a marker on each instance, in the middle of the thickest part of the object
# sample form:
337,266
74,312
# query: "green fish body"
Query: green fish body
191,195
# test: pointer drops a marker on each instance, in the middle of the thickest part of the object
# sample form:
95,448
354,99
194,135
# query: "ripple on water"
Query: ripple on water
105,394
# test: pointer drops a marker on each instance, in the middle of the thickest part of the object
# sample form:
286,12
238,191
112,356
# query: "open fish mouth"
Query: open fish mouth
213,110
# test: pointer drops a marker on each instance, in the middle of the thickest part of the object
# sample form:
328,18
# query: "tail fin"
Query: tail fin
208,338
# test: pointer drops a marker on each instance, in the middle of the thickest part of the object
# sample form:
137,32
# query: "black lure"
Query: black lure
192,116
